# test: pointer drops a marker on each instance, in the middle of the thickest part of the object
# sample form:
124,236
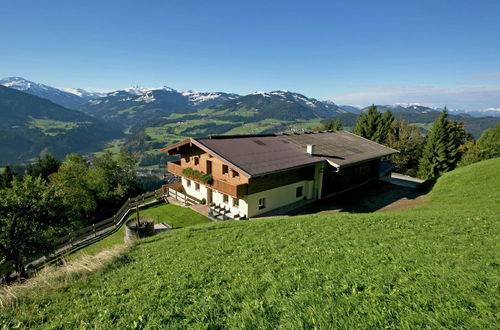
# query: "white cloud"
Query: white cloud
466,98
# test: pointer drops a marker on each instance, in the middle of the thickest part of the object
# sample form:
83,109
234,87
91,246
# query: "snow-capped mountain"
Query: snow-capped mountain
404,107
283,105
85,94
323,109
350,108
67,99
140,103
208,99
24,138
489,112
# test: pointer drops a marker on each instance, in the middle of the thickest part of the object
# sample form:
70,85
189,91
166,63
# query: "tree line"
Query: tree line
52,198
446,146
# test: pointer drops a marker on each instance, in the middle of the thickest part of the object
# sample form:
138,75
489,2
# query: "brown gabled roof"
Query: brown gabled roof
341,148
258,155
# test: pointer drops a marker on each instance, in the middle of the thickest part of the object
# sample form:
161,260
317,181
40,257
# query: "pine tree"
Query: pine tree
383,128
331,125
374,125
442,148
43,167
488,146
408,140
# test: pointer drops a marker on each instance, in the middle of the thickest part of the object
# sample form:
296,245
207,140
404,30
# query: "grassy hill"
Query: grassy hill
432,267
30,125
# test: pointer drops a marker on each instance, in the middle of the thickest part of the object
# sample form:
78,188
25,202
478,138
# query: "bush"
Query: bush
197,175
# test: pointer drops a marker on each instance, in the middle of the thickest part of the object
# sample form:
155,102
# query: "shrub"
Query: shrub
197,175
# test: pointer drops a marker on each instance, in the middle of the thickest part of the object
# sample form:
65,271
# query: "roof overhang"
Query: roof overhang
331,162
175,149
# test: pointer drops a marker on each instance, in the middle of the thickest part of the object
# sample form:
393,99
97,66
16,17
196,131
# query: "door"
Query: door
209,196
209,167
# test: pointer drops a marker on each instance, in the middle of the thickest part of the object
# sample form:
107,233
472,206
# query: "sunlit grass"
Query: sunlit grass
433,267
54,127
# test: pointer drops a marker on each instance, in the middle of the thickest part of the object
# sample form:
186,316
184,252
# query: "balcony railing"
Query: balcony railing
224,187
174,168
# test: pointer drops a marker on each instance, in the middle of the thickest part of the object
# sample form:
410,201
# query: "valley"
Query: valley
151,118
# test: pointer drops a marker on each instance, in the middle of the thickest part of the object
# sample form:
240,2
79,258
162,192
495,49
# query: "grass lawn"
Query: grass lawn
106,243
53,127
176,216
432,267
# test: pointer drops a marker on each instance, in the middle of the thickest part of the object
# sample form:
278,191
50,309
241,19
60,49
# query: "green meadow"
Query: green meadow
432,267
54,127
176,216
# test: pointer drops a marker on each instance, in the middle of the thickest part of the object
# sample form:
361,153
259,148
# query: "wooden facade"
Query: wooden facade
282,178
226,179
335,180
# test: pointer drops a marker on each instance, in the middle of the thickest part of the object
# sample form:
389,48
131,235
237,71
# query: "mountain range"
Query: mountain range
37,118
132,105
31,125
69,98
165,100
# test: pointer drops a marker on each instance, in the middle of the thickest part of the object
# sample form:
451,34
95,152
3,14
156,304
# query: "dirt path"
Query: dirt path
378,196
403,204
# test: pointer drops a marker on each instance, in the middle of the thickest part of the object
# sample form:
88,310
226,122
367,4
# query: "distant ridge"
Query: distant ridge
31,125
69,98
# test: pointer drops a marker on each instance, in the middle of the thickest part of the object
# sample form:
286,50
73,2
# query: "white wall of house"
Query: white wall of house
192,191
217,197
241,208
278,197
274,198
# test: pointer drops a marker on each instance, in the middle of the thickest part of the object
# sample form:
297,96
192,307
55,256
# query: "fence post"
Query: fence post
93,229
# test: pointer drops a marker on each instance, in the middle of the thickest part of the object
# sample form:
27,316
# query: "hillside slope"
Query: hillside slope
435,267
30,125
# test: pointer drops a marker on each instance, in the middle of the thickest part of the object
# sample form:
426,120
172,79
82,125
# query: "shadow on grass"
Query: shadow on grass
368,198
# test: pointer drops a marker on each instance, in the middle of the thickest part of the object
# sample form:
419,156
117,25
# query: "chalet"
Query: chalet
246,176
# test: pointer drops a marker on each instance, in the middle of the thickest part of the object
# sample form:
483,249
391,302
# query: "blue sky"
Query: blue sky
354,52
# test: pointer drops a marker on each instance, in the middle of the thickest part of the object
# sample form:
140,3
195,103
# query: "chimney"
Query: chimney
310,149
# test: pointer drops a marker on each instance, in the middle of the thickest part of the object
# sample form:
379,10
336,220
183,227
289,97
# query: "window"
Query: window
197,186
188,183
262,203
196,161
299,191
186,158
225,169
225,198
236,202
235,174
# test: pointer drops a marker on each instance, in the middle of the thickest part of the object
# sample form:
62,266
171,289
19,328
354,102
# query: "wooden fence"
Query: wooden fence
97,231
181,197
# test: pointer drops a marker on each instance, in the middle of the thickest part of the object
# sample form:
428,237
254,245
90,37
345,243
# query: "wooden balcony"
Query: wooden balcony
221,186
174,168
